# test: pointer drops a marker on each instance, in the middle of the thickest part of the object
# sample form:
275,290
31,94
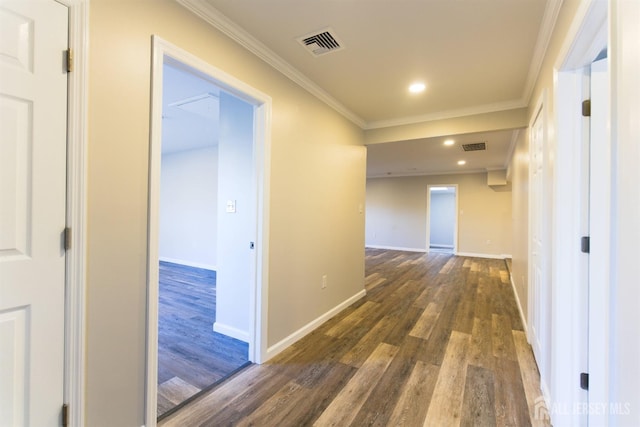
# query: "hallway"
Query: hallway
437,341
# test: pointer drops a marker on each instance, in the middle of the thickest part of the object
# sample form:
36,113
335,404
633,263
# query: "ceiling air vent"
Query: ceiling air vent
321,43
476,146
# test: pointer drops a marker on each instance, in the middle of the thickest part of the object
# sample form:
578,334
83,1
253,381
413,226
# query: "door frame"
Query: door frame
75,280
262,103
455,225
586,38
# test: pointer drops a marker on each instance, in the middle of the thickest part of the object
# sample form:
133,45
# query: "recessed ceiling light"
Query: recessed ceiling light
462,162
417,87
449,142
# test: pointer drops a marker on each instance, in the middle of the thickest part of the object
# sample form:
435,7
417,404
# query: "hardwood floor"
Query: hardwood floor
437,341
191,357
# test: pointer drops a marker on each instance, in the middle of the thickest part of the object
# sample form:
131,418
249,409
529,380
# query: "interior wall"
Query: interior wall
235,229
397,213
442,211
317,185
188,208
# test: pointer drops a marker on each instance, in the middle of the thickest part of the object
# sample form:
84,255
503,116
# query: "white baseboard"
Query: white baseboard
189,263
309,327
477,255
395,248
230,331
440,246
515,293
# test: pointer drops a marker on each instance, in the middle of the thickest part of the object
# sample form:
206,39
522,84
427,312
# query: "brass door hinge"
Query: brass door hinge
586,108
69,60
65,415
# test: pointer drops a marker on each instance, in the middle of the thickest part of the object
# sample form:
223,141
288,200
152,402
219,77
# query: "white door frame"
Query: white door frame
164,51
455,225
585,39
74,377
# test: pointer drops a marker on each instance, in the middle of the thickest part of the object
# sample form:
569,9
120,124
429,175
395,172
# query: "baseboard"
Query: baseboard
515,293
439,246
395,248
230,331
477,255
189,263
309,327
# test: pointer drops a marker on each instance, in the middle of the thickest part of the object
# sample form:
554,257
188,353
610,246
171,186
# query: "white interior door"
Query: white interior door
33,125
600,235
539,292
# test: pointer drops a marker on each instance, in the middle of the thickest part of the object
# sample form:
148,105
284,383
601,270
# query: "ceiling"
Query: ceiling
475,56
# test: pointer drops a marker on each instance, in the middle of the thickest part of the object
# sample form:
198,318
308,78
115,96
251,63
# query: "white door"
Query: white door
33,123
600,235
539,293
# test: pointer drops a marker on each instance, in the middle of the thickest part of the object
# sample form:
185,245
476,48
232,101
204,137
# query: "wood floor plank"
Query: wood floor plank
530,377
361,351
353,319
501,337
478,407
346,405
426,322
511,407
445,408
411,407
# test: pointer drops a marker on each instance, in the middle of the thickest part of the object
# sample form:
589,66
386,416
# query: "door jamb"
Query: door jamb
76,212
262,103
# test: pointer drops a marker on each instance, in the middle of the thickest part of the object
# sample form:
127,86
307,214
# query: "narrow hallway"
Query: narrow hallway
438,340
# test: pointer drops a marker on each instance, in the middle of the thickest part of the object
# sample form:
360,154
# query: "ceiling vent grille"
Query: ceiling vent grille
476,146
322,42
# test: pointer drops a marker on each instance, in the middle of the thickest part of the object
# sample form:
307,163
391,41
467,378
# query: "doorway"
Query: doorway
442,218
212,243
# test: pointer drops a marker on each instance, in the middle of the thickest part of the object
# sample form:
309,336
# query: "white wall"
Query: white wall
189,207
442,211
235,277
397,213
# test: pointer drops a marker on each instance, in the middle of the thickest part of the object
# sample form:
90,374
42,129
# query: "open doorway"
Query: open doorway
208,198
442,218
192,355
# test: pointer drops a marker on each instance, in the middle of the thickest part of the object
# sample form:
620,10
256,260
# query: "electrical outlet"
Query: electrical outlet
324,281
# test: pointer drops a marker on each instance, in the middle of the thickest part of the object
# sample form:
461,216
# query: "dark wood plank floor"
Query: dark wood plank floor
437,341
191,357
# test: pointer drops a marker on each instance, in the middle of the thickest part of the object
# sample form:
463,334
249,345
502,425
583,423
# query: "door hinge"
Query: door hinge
69,60
585,244
67,238
584,381
65,415
586,108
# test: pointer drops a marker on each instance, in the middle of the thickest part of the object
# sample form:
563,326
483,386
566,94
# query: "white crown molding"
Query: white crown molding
214,17
544,37
450,114
218,20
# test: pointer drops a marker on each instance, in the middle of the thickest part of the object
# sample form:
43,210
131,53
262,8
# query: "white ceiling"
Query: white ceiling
188,125
475,56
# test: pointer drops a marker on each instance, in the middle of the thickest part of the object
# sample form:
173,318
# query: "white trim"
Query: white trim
232,332
395,248
165,52
519,304
188,263
544,37
479,255
214,17
309,327
75,305
447,172
448,114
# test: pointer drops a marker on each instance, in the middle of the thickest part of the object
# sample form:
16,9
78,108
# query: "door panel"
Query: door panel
33,121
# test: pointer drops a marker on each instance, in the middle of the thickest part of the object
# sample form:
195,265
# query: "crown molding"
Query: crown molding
450,114
214,17
549,19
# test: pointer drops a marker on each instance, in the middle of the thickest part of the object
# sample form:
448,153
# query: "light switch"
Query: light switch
231,206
